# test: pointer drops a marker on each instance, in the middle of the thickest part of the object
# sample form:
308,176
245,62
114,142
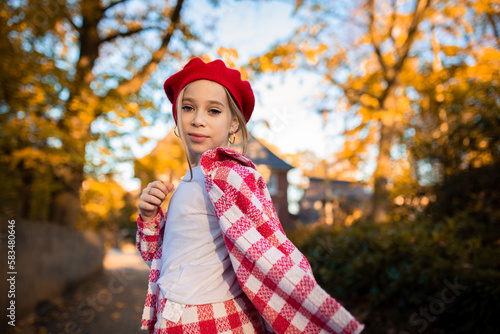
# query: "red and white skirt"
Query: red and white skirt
237,315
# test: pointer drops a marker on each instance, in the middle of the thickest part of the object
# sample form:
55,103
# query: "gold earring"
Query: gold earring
175,132
233,138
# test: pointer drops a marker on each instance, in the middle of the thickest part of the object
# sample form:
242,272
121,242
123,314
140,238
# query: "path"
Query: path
109,304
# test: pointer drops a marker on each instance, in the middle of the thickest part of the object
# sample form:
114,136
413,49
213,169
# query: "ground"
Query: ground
110,303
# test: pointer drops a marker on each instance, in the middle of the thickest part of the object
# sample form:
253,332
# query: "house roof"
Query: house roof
319,189
261,155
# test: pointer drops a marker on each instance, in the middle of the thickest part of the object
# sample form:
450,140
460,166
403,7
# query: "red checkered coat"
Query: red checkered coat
272,272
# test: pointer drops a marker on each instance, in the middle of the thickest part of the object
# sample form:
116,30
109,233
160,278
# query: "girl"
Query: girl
220,261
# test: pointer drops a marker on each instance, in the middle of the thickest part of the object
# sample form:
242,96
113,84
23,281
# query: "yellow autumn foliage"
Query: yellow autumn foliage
102,204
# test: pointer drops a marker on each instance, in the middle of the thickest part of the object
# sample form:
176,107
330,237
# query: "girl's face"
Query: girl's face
205,118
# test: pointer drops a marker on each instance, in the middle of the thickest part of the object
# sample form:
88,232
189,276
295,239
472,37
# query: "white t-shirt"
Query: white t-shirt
196,268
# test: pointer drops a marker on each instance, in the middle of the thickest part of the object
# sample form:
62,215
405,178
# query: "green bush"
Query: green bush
400,270
474,191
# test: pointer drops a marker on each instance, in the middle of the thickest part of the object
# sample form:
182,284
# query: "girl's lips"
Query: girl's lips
196,137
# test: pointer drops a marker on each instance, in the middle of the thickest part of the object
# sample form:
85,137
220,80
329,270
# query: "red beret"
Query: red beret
216,71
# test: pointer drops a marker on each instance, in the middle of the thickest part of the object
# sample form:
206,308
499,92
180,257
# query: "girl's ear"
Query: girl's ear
235,125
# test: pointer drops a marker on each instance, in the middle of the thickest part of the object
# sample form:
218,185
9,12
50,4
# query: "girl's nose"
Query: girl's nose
198,118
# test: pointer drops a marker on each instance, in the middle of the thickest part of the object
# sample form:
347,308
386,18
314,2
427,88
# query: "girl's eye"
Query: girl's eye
187,108
214,111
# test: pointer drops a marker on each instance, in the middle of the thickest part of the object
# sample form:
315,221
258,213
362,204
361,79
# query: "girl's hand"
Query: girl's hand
152,197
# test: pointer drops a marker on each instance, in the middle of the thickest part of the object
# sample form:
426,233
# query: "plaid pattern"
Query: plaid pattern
149,241
272,272
237,315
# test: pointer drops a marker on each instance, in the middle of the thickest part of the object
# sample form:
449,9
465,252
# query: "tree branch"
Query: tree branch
418,16
403,51
375,43
73,24
111,5
393,21
125,34
495,30
436,49
134,85
89,41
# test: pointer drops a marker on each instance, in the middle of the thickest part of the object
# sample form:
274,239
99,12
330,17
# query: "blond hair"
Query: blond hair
235,112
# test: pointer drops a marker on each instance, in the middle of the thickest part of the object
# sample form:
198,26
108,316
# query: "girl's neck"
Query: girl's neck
194,159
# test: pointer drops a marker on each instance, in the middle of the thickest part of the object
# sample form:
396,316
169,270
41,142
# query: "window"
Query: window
272,185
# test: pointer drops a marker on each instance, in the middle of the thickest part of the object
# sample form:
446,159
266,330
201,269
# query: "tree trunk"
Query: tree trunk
26,192
79,114
83,106
382,173
380,200
65,206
